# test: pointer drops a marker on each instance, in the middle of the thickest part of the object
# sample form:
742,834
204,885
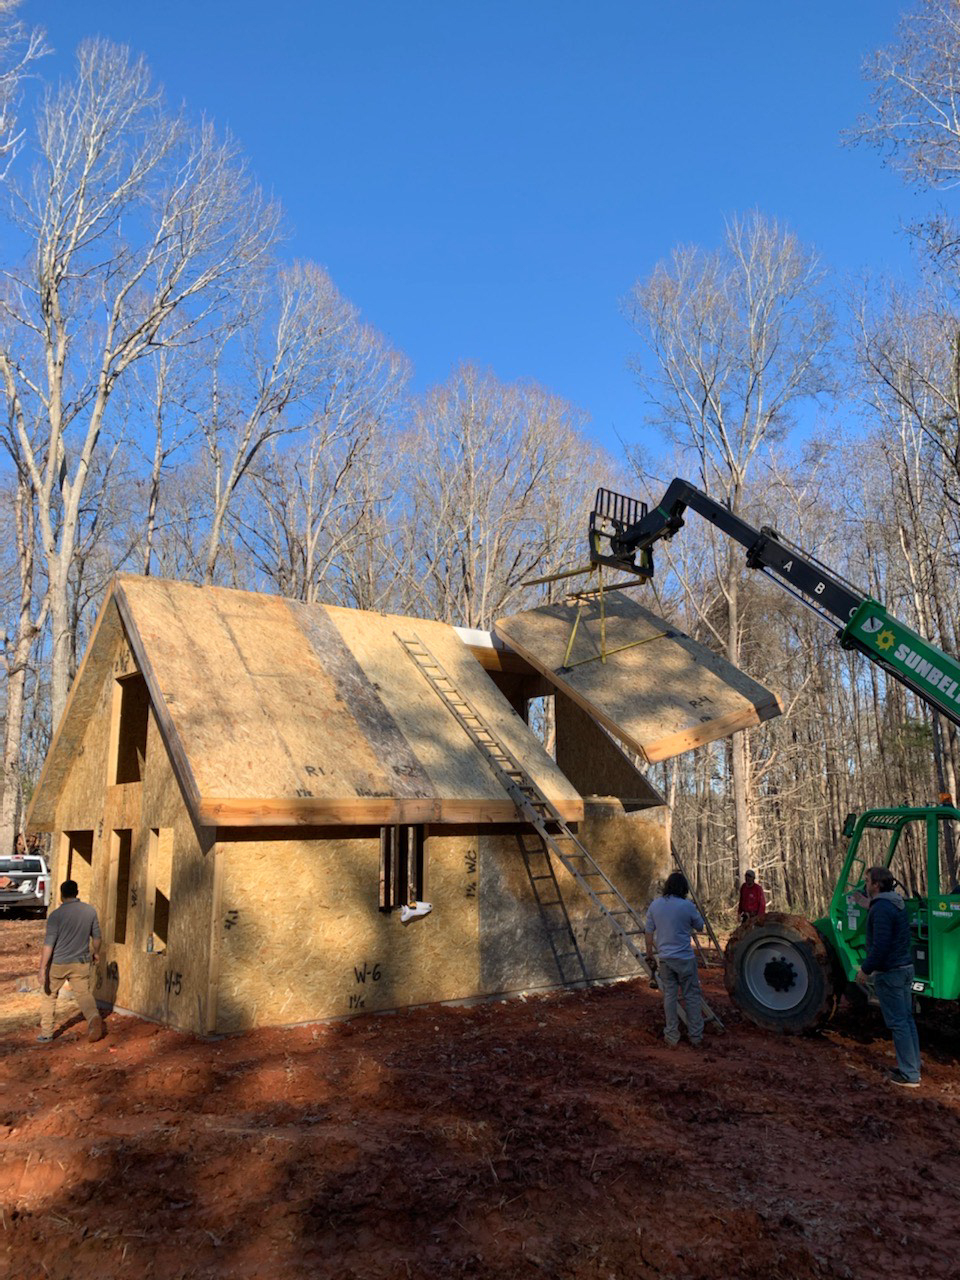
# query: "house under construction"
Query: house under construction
253,791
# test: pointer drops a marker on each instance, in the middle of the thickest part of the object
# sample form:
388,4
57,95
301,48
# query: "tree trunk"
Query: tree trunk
12,729
62,639
739,759
28,629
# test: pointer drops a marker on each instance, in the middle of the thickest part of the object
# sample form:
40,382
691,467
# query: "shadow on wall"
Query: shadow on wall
527,915
303,936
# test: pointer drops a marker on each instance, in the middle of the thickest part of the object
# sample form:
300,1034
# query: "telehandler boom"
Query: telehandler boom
864,624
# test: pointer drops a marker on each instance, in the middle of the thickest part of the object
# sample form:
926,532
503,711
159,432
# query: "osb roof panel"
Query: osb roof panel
657,690
278,712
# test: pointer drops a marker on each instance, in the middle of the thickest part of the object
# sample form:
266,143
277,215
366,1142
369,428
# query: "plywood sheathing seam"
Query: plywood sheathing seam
457,769
395,763
658,691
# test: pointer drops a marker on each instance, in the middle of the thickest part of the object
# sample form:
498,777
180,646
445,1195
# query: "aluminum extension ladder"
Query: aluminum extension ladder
560,932
538,811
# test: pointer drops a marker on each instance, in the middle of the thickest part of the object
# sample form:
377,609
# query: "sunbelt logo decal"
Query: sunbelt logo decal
886,639
945,680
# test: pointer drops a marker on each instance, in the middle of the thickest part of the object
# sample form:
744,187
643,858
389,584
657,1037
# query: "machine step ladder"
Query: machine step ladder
539,812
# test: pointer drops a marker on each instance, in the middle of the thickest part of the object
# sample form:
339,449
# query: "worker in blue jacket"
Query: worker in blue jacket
889,959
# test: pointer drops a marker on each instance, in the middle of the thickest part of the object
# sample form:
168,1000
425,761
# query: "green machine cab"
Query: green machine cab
933,909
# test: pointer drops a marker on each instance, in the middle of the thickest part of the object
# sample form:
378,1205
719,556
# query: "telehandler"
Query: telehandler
784,972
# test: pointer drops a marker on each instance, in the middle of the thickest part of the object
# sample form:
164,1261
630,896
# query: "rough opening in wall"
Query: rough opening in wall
131,709
542,719
160,876
122,843
78,861
402,866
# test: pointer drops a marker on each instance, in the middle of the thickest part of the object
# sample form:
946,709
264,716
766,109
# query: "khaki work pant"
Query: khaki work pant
78,975
680,977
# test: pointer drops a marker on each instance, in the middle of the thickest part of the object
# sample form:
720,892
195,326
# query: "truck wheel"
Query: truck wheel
779,972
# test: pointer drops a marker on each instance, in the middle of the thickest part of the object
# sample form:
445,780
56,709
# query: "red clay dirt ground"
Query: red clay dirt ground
552,1136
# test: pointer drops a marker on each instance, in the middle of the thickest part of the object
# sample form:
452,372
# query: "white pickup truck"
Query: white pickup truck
25,884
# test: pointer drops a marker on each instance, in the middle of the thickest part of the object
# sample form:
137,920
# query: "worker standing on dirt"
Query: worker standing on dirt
671,923
753,901
889,959
71,930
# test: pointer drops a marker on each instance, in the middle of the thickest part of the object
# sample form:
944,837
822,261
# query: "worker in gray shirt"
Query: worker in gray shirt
671,922
72,938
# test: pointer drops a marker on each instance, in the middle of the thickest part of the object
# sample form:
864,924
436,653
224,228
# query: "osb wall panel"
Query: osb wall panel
657,690
72,739
81,803
515,951
592,760
170,985
301,936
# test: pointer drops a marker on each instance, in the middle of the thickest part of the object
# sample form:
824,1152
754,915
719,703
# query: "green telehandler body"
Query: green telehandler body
787,975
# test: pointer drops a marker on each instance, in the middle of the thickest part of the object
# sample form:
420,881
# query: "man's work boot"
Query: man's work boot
95,1031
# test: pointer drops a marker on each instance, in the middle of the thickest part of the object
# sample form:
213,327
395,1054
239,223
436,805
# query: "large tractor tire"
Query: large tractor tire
780,973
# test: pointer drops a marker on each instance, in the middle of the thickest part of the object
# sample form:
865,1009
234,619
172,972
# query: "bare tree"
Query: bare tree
167,380
137,226
908,350
19,48
915,120
372,568
916,96
499,479
738,339
19,640
909,356
305,363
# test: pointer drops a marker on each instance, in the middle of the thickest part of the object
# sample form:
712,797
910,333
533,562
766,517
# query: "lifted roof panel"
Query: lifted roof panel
655,688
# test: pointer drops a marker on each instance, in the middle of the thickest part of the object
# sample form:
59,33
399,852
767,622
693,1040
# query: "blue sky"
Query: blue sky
487,180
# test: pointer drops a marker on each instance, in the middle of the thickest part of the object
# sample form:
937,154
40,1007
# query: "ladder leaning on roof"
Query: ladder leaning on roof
538,811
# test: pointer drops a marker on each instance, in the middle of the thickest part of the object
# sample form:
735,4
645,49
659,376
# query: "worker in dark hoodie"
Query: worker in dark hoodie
889,960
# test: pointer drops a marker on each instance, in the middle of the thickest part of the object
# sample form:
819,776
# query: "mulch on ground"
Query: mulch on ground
553,1135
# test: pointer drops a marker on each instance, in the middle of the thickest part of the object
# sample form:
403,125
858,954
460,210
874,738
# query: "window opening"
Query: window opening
161,875
79,861
401,866
542,719
30,866
123,842
133,715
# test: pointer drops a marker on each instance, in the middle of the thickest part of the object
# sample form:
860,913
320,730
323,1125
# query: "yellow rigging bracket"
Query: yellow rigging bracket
585,597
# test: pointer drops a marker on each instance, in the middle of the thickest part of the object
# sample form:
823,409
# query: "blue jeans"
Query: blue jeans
896,1004
681,977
